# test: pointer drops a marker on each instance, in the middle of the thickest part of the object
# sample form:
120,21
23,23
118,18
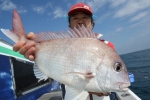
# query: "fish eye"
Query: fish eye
118,66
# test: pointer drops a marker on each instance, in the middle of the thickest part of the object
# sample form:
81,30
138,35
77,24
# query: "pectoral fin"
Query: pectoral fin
39,74
86,75
73,94
89,75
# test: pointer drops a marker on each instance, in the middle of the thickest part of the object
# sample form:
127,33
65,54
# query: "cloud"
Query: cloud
116,3
145,22
102,18
69,5
22,10
139,16
131,7
139,36
42,9
116,31
138,41
7,5
58,12
48,5
39,10
81,1
65,0
94,4
119,29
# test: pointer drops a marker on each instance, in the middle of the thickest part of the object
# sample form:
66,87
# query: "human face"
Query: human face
80,18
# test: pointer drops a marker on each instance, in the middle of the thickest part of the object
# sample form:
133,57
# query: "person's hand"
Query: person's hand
26,48
100,94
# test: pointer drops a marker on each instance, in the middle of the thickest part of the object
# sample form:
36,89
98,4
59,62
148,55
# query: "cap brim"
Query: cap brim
78,10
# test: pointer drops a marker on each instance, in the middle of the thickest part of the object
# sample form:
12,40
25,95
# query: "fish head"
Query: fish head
112,75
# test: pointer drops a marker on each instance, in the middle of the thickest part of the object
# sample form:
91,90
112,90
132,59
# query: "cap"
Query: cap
80,7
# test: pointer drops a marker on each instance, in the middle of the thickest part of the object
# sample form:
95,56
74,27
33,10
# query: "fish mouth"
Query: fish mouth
124,86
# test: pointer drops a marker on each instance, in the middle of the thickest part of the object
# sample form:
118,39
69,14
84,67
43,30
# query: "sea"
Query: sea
138,63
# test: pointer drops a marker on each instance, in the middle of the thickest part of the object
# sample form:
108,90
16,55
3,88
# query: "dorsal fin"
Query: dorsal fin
81,32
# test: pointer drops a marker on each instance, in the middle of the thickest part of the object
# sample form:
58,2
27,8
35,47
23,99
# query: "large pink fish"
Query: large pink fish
75,58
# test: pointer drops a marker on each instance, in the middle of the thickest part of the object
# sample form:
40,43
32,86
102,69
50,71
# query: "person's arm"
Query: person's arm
26,48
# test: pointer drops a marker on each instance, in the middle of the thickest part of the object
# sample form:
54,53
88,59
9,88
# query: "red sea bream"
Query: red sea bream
75,58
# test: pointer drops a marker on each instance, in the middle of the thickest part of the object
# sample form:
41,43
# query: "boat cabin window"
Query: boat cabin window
24,78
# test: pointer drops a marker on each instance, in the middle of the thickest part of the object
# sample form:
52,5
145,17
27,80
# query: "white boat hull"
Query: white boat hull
129,95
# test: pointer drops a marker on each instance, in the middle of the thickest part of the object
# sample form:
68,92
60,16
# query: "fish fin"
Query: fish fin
39,74
73,94
81,32
17,33
84,76
42,36
99,35
10,35
89,75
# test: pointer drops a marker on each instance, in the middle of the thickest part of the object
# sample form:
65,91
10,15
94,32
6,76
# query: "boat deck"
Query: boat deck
57,95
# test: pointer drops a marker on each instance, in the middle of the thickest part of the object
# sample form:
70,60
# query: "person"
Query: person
79,14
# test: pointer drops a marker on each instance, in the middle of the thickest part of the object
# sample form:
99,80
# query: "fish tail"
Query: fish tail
17,33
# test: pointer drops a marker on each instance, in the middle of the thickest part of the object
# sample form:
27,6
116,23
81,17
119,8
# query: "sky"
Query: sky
125,23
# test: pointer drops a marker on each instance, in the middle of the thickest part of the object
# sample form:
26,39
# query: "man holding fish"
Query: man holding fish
79,15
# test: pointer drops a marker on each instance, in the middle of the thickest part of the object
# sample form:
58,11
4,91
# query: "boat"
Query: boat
18,82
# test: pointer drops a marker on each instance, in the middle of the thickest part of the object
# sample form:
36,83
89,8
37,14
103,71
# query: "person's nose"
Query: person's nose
80,22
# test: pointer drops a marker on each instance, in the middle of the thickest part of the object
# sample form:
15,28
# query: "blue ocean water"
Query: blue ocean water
138,63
